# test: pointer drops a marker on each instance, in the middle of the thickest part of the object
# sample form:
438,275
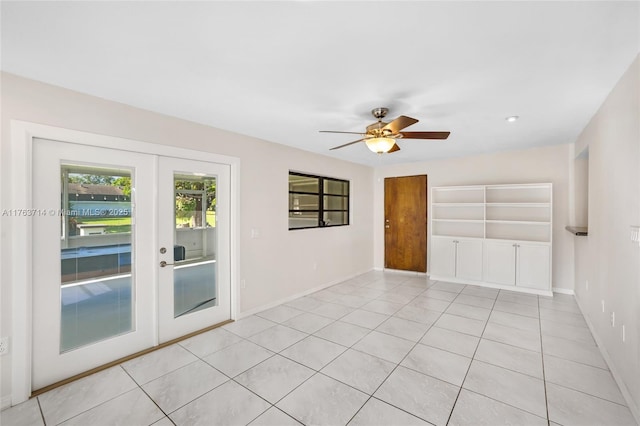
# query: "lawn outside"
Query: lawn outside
117,225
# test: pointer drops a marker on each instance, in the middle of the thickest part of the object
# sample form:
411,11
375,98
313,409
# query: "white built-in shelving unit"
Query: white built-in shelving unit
493,235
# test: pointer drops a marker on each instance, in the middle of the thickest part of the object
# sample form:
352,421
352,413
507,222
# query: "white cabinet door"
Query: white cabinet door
469,260
500,262
443,257
533,266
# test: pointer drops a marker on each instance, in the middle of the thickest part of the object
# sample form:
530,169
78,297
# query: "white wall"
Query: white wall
607,258
278,264
546,164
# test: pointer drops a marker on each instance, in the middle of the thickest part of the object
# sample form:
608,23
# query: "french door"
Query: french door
194,245
129,250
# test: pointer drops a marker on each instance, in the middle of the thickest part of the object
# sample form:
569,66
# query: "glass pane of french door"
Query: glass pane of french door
194,267
194,277
95,256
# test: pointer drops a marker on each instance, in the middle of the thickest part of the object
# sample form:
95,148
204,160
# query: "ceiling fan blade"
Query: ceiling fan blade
425,135
333,131
346,144
394,148
400,123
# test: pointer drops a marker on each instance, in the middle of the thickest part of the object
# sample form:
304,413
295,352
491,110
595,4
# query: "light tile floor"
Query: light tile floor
379,349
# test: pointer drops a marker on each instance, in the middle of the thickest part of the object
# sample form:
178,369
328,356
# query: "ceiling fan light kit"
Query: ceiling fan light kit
380,137
380,145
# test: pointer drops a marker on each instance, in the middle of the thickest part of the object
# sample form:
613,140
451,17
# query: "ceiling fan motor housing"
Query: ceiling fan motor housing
377,128
380,113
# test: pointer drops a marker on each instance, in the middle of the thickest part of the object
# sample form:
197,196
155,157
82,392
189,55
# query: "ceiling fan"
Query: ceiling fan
381,137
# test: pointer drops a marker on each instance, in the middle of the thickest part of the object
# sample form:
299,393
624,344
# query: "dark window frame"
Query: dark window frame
321,194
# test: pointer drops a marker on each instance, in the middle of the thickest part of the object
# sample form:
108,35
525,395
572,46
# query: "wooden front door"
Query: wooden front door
405,213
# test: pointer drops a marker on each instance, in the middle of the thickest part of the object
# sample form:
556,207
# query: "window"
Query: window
317,201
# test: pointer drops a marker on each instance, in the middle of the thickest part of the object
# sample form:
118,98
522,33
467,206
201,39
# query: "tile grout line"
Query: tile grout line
105,401
544,377
396,367
149,396
44,422
590,395
453,407
578,362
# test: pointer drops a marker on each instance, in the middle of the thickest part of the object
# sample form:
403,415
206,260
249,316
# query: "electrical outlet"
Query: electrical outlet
4,345
613,319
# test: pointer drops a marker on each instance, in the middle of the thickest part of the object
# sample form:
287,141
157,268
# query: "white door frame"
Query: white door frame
22,134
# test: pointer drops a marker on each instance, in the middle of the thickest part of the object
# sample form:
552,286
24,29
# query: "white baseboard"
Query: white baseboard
633,407
564,291
297,295
491,285
5,402
400,271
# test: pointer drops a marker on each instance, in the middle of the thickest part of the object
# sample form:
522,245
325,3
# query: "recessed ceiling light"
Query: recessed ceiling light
512,118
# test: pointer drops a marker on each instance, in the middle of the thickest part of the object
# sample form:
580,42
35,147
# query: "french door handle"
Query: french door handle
164,263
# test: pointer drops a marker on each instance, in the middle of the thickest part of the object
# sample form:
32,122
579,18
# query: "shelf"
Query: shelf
578,231
457,204
458,195
531,241
517,231
519,194
457,236
459,188
459,220
461,228
518,222
518,204
520,186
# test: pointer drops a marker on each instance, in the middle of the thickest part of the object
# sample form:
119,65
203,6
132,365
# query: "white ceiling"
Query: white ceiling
281,71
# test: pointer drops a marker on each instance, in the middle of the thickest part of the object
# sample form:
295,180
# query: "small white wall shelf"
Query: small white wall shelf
635,234
513,224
